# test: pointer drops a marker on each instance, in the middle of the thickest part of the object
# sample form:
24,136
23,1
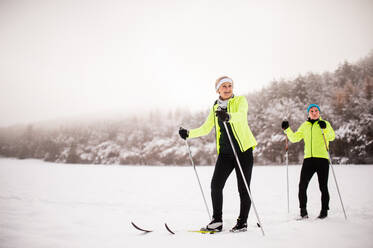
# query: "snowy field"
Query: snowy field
46,205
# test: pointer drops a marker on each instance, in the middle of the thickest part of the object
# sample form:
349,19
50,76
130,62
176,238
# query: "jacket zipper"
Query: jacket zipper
311,140
234,130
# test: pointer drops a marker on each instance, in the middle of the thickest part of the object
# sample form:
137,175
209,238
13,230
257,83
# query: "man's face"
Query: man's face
314,113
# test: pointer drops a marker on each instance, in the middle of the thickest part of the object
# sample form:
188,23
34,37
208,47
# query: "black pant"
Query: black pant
310,166
223,168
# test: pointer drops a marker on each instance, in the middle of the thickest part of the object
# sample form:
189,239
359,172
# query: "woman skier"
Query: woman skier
316,158
232,110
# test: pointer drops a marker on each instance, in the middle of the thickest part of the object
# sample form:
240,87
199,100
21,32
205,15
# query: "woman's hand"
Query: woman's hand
184,134
285,125
222,115
322,124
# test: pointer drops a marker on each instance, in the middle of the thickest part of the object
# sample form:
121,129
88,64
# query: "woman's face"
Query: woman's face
225,91
314,113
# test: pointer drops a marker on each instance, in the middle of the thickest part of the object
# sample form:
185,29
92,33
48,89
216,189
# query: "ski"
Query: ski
195,231
204,231
301,218
239,231
140,229
168,229
307,219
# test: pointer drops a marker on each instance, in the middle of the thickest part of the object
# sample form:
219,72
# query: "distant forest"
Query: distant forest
345,97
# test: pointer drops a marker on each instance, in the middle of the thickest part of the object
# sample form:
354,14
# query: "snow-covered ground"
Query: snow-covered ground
58,205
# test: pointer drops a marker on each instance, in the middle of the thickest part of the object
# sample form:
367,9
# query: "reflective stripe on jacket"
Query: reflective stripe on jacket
314,145
237,109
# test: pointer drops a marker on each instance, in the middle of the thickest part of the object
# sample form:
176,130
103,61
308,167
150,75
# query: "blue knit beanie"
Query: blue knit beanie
313,105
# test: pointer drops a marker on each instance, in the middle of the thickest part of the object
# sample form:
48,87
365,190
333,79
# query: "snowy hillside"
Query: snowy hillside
58,205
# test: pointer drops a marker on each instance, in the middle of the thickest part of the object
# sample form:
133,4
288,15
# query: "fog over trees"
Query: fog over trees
345,97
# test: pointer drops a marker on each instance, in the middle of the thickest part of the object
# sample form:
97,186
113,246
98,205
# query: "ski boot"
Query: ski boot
214,226
303,213
323,214
241,226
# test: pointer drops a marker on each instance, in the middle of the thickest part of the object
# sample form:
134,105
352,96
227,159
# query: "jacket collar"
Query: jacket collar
313,121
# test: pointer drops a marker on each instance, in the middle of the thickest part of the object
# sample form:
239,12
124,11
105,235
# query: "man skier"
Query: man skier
316,158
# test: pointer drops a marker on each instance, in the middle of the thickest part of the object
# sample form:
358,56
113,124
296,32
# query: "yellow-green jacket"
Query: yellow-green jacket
237,108
314,145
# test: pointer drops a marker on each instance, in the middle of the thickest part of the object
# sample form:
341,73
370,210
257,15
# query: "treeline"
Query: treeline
345,98
150,140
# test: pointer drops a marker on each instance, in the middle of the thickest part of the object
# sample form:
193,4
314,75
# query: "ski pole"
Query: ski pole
335,178
287,169
199,182
243,177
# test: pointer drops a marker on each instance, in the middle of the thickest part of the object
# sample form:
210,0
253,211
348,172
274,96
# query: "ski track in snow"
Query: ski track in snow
60,205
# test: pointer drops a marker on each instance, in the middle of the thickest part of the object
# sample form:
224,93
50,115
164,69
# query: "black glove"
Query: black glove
285,125
184,134
322,124
222,115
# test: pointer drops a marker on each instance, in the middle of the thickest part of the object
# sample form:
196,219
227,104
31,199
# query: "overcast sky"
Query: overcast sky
70,57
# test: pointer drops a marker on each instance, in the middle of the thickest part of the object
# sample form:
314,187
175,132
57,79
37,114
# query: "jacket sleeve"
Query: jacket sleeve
295,137
329,132
205,128
241,113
